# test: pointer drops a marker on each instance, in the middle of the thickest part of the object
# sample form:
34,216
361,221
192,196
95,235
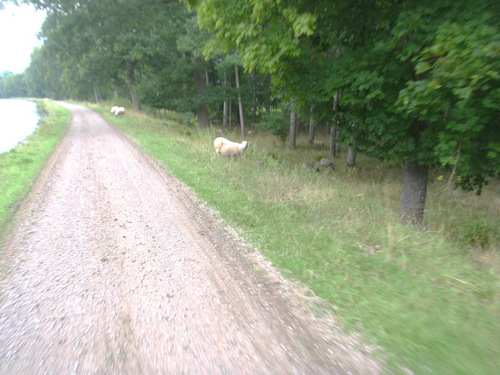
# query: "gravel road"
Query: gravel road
114,268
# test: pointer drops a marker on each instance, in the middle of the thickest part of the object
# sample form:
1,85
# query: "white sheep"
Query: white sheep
113,109
225,147
119,111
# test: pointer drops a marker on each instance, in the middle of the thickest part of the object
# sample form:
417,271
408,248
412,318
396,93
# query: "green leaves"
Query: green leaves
266,33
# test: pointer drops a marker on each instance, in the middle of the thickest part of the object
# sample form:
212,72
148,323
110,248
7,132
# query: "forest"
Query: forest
417,82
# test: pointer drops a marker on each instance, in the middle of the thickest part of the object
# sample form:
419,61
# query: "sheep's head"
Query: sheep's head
245,145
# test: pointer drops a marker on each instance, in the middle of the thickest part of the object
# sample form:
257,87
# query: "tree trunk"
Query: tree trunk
240,104
411,209
268,94
293,127
225,110
202,110
96,96
254,81
333,147
130,85
115,90
311,125
333,133
454,171
184,84
351,157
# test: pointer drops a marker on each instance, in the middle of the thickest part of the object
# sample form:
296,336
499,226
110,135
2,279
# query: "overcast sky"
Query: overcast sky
18,28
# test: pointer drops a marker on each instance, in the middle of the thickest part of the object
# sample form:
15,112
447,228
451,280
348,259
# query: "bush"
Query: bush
276,123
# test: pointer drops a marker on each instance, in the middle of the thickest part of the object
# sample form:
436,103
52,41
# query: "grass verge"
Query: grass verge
429,299
20,166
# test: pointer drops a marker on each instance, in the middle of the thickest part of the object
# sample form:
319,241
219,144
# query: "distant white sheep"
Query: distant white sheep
118,111
225,147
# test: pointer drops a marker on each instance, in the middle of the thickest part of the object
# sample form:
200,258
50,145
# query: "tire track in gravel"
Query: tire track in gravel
114,269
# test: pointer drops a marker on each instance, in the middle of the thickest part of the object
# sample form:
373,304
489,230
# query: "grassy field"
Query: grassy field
429,299
20,166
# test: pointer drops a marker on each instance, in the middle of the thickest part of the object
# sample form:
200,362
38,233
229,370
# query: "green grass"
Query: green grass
429,299
20,166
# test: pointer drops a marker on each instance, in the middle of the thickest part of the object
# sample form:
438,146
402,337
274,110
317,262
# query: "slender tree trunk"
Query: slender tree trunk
268,94
96,96
333,146
293,127
225,110
411,209
311,125
130,85
351,157
333,133
184,84
454,171
202,110
240,104
115,90
254,81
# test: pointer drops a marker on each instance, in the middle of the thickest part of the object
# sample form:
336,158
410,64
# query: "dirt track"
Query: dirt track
114,269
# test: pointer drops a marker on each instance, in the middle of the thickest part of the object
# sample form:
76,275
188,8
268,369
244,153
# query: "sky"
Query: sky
18,28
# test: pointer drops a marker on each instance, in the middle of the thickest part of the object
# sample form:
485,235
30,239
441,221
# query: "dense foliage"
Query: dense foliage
417,81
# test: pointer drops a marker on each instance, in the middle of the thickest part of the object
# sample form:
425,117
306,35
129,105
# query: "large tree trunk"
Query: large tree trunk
293,128
225,110
311,125
130,85
240,104
202,110
411,209
351,157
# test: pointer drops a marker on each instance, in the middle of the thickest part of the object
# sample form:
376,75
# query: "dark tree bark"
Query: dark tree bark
202,110
293,128
240,104
411,209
